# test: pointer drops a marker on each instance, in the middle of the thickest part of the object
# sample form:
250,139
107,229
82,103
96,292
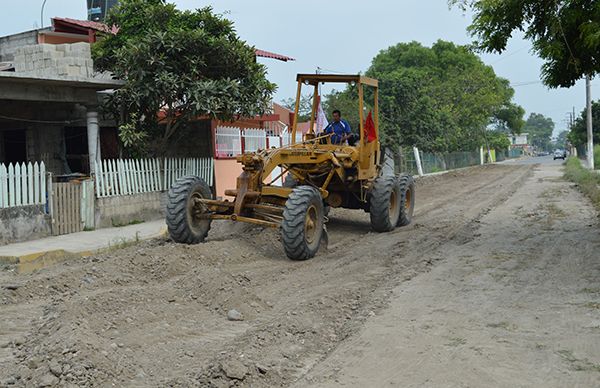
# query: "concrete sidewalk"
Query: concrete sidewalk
80,244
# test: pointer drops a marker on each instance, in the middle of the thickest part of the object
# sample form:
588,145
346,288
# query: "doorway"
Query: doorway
15,146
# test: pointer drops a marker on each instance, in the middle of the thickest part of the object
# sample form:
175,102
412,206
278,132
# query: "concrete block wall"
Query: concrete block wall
23,223
9,44
123,210
69,60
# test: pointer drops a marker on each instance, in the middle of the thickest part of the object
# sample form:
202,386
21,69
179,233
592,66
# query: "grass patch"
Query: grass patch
503,325
592,305
123,242
456,341
588,290
118,224
587,181
578,364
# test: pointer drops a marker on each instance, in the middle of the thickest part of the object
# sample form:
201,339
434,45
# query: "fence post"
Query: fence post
3,186
418,161
481,156
49,199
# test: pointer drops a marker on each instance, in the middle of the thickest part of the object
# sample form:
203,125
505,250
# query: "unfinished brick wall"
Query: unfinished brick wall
71,60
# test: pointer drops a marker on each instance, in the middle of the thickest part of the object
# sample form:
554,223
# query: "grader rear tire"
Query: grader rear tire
384,203
182,224
407,199
302,226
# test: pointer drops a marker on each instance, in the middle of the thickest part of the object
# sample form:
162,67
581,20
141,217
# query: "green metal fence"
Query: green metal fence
508,154
404,159
433,162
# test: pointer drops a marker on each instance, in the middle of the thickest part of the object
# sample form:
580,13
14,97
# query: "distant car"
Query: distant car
558,154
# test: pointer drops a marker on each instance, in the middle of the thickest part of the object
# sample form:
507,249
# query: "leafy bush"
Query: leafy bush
587,181
597,157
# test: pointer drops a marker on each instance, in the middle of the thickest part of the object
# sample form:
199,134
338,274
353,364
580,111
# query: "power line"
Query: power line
40,121
503,57
526,83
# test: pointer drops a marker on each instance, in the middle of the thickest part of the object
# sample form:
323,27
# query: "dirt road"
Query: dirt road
494,284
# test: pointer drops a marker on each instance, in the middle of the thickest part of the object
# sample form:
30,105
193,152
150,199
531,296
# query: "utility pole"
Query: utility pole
590,134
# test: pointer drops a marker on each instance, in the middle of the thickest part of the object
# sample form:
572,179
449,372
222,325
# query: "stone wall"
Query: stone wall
23,223
126,209
70,60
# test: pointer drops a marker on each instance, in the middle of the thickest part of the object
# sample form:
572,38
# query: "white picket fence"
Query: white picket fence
22,184
254,139
228,142
135,176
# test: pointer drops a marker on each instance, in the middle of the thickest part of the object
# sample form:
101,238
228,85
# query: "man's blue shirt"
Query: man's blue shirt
339,129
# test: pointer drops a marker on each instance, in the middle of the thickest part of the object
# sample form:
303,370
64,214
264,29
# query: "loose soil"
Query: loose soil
494,284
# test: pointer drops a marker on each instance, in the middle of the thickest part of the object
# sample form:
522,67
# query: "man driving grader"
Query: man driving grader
321,173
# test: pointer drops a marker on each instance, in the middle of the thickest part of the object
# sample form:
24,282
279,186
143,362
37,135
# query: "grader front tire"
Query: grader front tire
384,205
302,226
182,223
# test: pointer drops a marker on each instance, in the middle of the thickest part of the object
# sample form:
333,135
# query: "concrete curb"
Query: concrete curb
35,260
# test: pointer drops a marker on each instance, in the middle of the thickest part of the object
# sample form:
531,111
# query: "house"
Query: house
520,140
520,143
56,144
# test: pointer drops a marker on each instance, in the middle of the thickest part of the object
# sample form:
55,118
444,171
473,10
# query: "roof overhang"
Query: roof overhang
14,86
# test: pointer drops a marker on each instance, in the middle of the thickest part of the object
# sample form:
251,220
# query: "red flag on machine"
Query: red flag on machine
370,134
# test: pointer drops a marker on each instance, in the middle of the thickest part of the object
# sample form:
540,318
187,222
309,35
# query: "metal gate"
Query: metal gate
66,208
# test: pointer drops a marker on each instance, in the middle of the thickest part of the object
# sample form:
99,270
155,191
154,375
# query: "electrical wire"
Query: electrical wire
40,121
526,83
503,57
564,36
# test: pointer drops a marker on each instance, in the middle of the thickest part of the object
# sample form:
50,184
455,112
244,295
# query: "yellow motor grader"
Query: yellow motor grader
319,175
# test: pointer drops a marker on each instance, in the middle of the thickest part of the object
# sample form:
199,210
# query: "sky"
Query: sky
343,36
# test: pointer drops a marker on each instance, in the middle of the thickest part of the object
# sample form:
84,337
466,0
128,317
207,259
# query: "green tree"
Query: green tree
564,33
539,128
497,140
578,134
177,65
440,98
305,108
561,140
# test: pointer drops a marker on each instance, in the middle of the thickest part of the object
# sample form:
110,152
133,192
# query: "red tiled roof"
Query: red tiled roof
87,24
267,54
60,24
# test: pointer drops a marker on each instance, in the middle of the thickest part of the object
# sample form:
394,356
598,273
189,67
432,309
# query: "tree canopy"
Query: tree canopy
440,99
539,128
564,33
578,134
561,140
177,65
305,108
